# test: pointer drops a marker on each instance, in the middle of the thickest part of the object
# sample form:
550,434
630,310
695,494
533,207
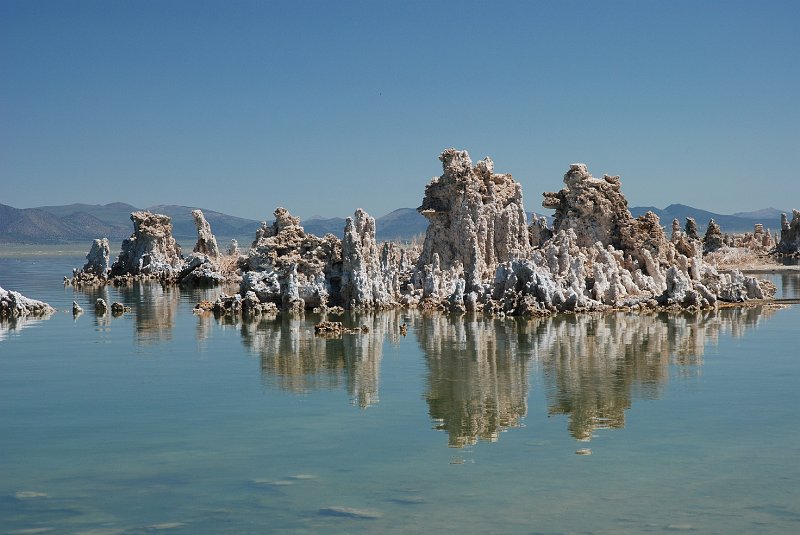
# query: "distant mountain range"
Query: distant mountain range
85,222
738,222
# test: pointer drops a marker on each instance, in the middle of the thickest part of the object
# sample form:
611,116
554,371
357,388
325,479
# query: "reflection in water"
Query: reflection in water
153,307
294,359
594,367
12,326
478,377
790,283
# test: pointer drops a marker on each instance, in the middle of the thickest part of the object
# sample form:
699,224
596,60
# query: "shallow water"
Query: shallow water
160,420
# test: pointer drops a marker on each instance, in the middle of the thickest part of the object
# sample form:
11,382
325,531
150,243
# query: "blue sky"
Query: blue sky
324,107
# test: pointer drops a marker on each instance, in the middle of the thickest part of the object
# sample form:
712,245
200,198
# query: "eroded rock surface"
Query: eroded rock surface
476,218
790,234
206,242
151,251
15,305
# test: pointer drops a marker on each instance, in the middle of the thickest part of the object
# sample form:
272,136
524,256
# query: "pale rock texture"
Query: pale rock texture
594,208
151,251
206,242
476,218
307,268
363,283
790,234
98,259
479,255
15,305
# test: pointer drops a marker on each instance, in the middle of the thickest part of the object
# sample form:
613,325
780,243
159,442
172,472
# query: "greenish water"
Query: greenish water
161,420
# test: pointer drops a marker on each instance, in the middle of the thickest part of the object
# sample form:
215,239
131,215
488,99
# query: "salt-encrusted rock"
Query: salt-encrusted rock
151,251
308,268
201,270
538,231
233,248
644,234
594,208
117,308
206,242
76,309
713,240
597,211
98,258
15,305
96,269
686,242
790,234
477,218
363,284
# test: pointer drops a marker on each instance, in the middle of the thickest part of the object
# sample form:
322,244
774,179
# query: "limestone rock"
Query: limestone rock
201,270
790,234
151,251
645,234
206,242
363,284
594,208
308,268
713,240
15,305
96,269
477,218
597,211
98,258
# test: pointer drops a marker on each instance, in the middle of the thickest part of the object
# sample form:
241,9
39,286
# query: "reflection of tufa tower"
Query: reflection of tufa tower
594,367
478,376
294,359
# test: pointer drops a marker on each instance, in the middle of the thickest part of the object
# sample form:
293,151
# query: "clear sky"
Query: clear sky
324,107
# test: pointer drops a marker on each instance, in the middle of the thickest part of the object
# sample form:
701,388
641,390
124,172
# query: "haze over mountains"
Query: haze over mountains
85,222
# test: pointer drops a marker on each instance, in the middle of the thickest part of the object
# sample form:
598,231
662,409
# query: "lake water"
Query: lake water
161,420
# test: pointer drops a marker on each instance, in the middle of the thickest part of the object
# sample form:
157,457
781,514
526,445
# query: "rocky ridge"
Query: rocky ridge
479,254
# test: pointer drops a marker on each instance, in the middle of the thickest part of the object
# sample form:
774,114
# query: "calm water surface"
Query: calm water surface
164,420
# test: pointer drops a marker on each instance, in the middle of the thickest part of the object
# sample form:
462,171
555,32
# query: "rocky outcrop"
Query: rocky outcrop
206,242
593,208
713,240
15,305
476,218
96,270
480,255
291,268
363,284
151,251
790,234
